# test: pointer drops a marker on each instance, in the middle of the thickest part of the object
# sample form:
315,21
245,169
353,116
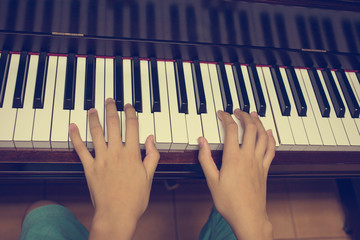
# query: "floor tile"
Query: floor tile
158,221
316,209
15,198
278,209
193,207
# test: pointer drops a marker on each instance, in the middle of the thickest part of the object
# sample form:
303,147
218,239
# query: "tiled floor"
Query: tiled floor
298,209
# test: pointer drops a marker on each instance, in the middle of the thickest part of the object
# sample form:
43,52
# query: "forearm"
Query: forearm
106,226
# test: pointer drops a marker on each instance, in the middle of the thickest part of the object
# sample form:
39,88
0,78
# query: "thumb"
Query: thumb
207,162
152,157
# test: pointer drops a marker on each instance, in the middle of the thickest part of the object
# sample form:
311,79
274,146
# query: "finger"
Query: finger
249,136
270,151
96,132
132,127
231,141
207,162
152,157
80,148
261,138
113,124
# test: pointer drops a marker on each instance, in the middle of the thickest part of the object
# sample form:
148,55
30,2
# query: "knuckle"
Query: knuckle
263,138
251,127
113,120
232,127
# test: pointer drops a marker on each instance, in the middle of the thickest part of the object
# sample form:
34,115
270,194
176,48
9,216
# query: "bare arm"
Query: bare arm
118,180
239,188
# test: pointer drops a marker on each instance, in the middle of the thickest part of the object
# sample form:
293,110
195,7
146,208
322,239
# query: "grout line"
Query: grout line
174,214
291,210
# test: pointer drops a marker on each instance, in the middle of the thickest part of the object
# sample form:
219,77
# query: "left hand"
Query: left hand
118,180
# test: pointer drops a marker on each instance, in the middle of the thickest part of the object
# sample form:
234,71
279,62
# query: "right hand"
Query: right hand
239,188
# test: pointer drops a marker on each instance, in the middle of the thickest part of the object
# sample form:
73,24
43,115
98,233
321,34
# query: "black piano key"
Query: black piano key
243,97
257,91
40,84
154,87
348,94
89,101
180,87
119,84
136,84
357,74
198,88
224,88
335,97
70,81
21,80
298,96
4,67
281,93
319,93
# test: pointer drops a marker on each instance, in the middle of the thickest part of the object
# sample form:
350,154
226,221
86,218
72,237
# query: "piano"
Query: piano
179,61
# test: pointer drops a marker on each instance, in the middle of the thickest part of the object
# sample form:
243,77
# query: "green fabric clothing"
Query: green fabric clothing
52,222
56,222
216,228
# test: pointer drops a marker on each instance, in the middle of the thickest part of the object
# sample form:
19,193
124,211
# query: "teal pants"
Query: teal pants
56,222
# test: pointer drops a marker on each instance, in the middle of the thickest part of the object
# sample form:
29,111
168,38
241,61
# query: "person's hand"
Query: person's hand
239,188
119,181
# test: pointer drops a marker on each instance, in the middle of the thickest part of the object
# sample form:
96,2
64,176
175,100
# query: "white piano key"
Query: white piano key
296,122
25,116
349,124
267,120
127,93
61,117
323,124
42,120
162,129
311,127
7,113
217,101
209,119
178,122
99,97
146,118
235,99
78,115
193,120
109,88
286,139
354,82
335,122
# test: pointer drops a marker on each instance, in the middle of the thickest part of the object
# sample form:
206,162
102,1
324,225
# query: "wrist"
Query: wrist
261,230
111,225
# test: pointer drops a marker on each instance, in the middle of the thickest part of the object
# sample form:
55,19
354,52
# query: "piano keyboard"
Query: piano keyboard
308,109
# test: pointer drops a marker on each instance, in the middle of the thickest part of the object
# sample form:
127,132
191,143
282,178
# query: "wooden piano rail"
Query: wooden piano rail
349,5
285,164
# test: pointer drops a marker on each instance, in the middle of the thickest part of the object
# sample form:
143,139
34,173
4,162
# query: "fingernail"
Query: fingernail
255,115
270,132
72,126
92,111
219,113
109,100
200,141
237,111
127,106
